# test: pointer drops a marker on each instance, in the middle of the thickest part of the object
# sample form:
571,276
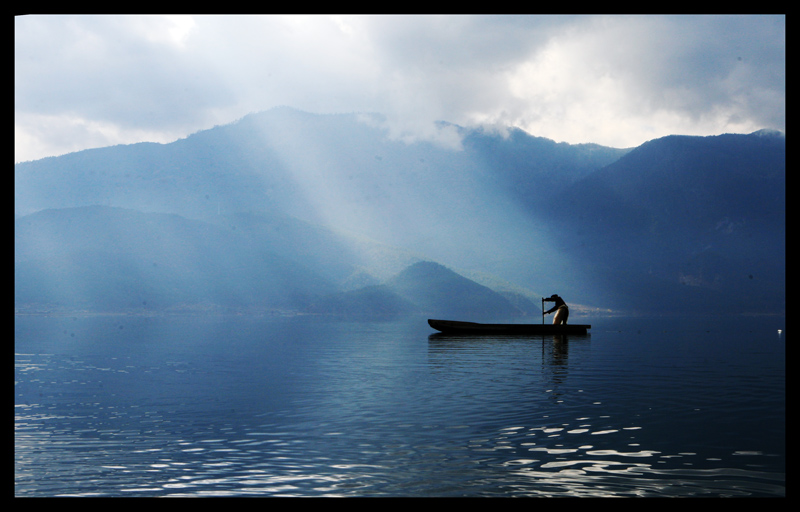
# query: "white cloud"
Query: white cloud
80,80
39,135
620,81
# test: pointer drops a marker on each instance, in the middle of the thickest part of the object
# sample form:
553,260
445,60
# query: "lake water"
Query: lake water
154,406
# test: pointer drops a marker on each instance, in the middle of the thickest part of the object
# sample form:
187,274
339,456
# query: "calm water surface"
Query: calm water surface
137,406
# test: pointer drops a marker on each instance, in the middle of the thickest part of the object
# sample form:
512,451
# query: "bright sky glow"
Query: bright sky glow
93,81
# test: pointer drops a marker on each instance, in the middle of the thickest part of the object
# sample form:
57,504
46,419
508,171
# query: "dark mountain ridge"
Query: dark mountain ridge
533,169
443,293
695,221
282,158
707,177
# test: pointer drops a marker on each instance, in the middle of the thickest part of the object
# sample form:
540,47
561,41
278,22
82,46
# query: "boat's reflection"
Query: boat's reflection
549,352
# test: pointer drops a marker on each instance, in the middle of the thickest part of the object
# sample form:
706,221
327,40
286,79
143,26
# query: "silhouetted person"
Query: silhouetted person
561,309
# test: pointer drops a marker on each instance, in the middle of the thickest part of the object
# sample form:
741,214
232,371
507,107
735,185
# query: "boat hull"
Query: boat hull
455,327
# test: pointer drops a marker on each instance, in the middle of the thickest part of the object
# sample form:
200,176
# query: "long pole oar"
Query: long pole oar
542,310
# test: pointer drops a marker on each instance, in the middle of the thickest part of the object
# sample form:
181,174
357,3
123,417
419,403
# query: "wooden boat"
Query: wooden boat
454,327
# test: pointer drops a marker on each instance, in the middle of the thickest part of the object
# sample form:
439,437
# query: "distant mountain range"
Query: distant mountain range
101,258
294,212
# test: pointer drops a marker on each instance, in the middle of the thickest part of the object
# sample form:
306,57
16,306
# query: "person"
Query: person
561,309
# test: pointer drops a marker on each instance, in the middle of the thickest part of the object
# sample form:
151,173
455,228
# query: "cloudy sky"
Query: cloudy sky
93,81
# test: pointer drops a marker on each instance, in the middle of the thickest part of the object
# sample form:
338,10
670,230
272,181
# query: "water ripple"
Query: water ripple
384,412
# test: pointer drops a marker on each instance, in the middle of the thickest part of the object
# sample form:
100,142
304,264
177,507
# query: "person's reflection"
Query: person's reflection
555,352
